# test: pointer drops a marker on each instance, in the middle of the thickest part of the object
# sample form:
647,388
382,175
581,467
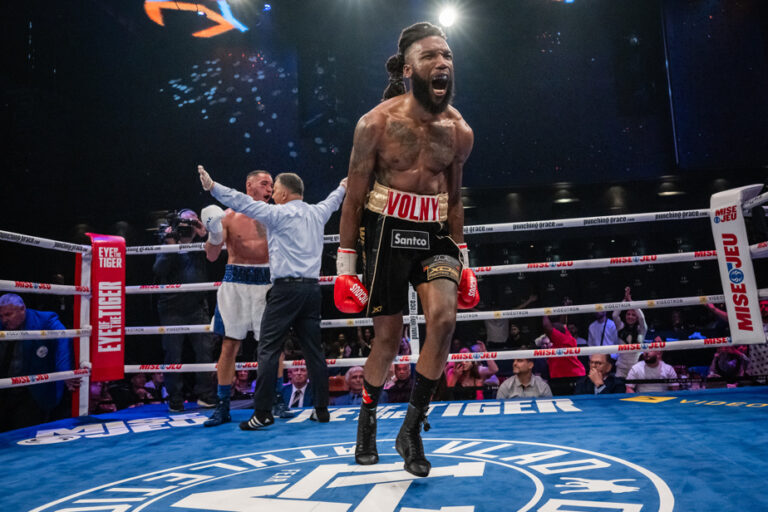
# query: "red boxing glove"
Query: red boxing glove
468,295
349,294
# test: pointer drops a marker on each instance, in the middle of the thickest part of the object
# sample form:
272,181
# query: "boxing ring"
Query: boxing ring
681,450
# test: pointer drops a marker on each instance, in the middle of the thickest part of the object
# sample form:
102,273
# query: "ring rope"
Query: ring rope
538,353
697,300
154,249
39,335
758,251
42,378
43,242
755,201
44,288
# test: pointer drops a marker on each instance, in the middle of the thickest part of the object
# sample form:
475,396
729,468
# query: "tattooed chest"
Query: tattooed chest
406,146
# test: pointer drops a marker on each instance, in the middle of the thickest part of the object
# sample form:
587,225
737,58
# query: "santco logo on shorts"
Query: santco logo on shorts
545,478
402,239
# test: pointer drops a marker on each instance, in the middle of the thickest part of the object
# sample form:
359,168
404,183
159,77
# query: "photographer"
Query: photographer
184,308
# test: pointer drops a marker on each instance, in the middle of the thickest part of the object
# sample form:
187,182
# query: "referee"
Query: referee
295,241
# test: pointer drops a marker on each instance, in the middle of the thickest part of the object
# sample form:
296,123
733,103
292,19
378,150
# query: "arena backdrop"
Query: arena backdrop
115,101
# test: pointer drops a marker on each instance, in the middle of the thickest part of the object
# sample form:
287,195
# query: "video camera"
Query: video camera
179,227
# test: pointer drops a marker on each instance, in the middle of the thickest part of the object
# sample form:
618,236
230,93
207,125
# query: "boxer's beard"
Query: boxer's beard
421,93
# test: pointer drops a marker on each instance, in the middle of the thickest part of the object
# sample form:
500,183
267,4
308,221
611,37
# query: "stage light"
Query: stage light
267,7
447,16
669,188
565,196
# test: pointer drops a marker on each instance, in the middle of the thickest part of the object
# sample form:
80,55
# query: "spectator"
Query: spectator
405,343
354,378
563,371
185,309
464,379
502,333
100,400
602,331
730,363
399,390
156,386
488,368
354,347
32,405
651,367
523,383
574,330
631,329
517,339
243,385
758,354
335,349
365,339
600,380
299,393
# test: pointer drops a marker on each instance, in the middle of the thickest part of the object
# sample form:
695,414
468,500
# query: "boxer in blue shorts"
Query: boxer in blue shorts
242,295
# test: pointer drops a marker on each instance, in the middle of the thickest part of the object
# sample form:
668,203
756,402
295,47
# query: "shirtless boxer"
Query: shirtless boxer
412,148
241,297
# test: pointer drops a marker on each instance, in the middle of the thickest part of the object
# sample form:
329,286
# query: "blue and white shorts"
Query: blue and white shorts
240,301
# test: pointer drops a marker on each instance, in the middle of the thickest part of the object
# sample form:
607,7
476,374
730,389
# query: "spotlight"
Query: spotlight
447,16
668,189
565,196
267,7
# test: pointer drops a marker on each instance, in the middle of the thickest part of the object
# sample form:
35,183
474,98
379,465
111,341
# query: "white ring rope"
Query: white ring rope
171,288
755,201
577,222
43,242
167,329
44,288
758,251
42,378
539,353
154,249
39,335
697,300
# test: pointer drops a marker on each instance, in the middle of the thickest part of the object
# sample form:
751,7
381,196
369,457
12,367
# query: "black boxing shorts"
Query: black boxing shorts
404,239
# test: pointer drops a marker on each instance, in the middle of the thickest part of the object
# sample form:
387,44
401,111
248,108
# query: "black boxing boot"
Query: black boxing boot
408,442
220,414
365,445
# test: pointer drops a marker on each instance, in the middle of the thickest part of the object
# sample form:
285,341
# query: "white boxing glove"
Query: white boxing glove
211,216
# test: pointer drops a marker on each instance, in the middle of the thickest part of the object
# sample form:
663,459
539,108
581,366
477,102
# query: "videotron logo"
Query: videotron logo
403,239
545,478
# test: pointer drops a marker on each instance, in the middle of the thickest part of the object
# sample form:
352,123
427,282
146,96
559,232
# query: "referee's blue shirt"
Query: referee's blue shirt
294,229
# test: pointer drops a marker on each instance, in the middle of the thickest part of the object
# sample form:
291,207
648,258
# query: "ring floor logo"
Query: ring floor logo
467,475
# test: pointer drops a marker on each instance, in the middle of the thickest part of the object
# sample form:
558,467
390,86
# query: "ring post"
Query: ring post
735,262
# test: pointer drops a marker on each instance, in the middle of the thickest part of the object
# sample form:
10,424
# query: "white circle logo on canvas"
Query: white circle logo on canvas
468,475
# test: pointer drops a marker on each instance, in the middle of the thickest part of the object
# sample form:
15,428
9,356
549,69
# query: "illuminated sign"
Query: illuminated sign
224,21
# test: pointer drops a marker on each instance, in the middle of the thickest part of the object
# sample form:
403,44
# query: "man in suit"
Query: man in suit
600,380
354,378
299,392
32,405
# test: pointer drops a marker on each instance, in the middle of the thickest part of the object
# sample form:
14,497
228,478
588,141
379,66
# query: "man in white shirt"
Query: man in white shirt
651,367
523,383
602,331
